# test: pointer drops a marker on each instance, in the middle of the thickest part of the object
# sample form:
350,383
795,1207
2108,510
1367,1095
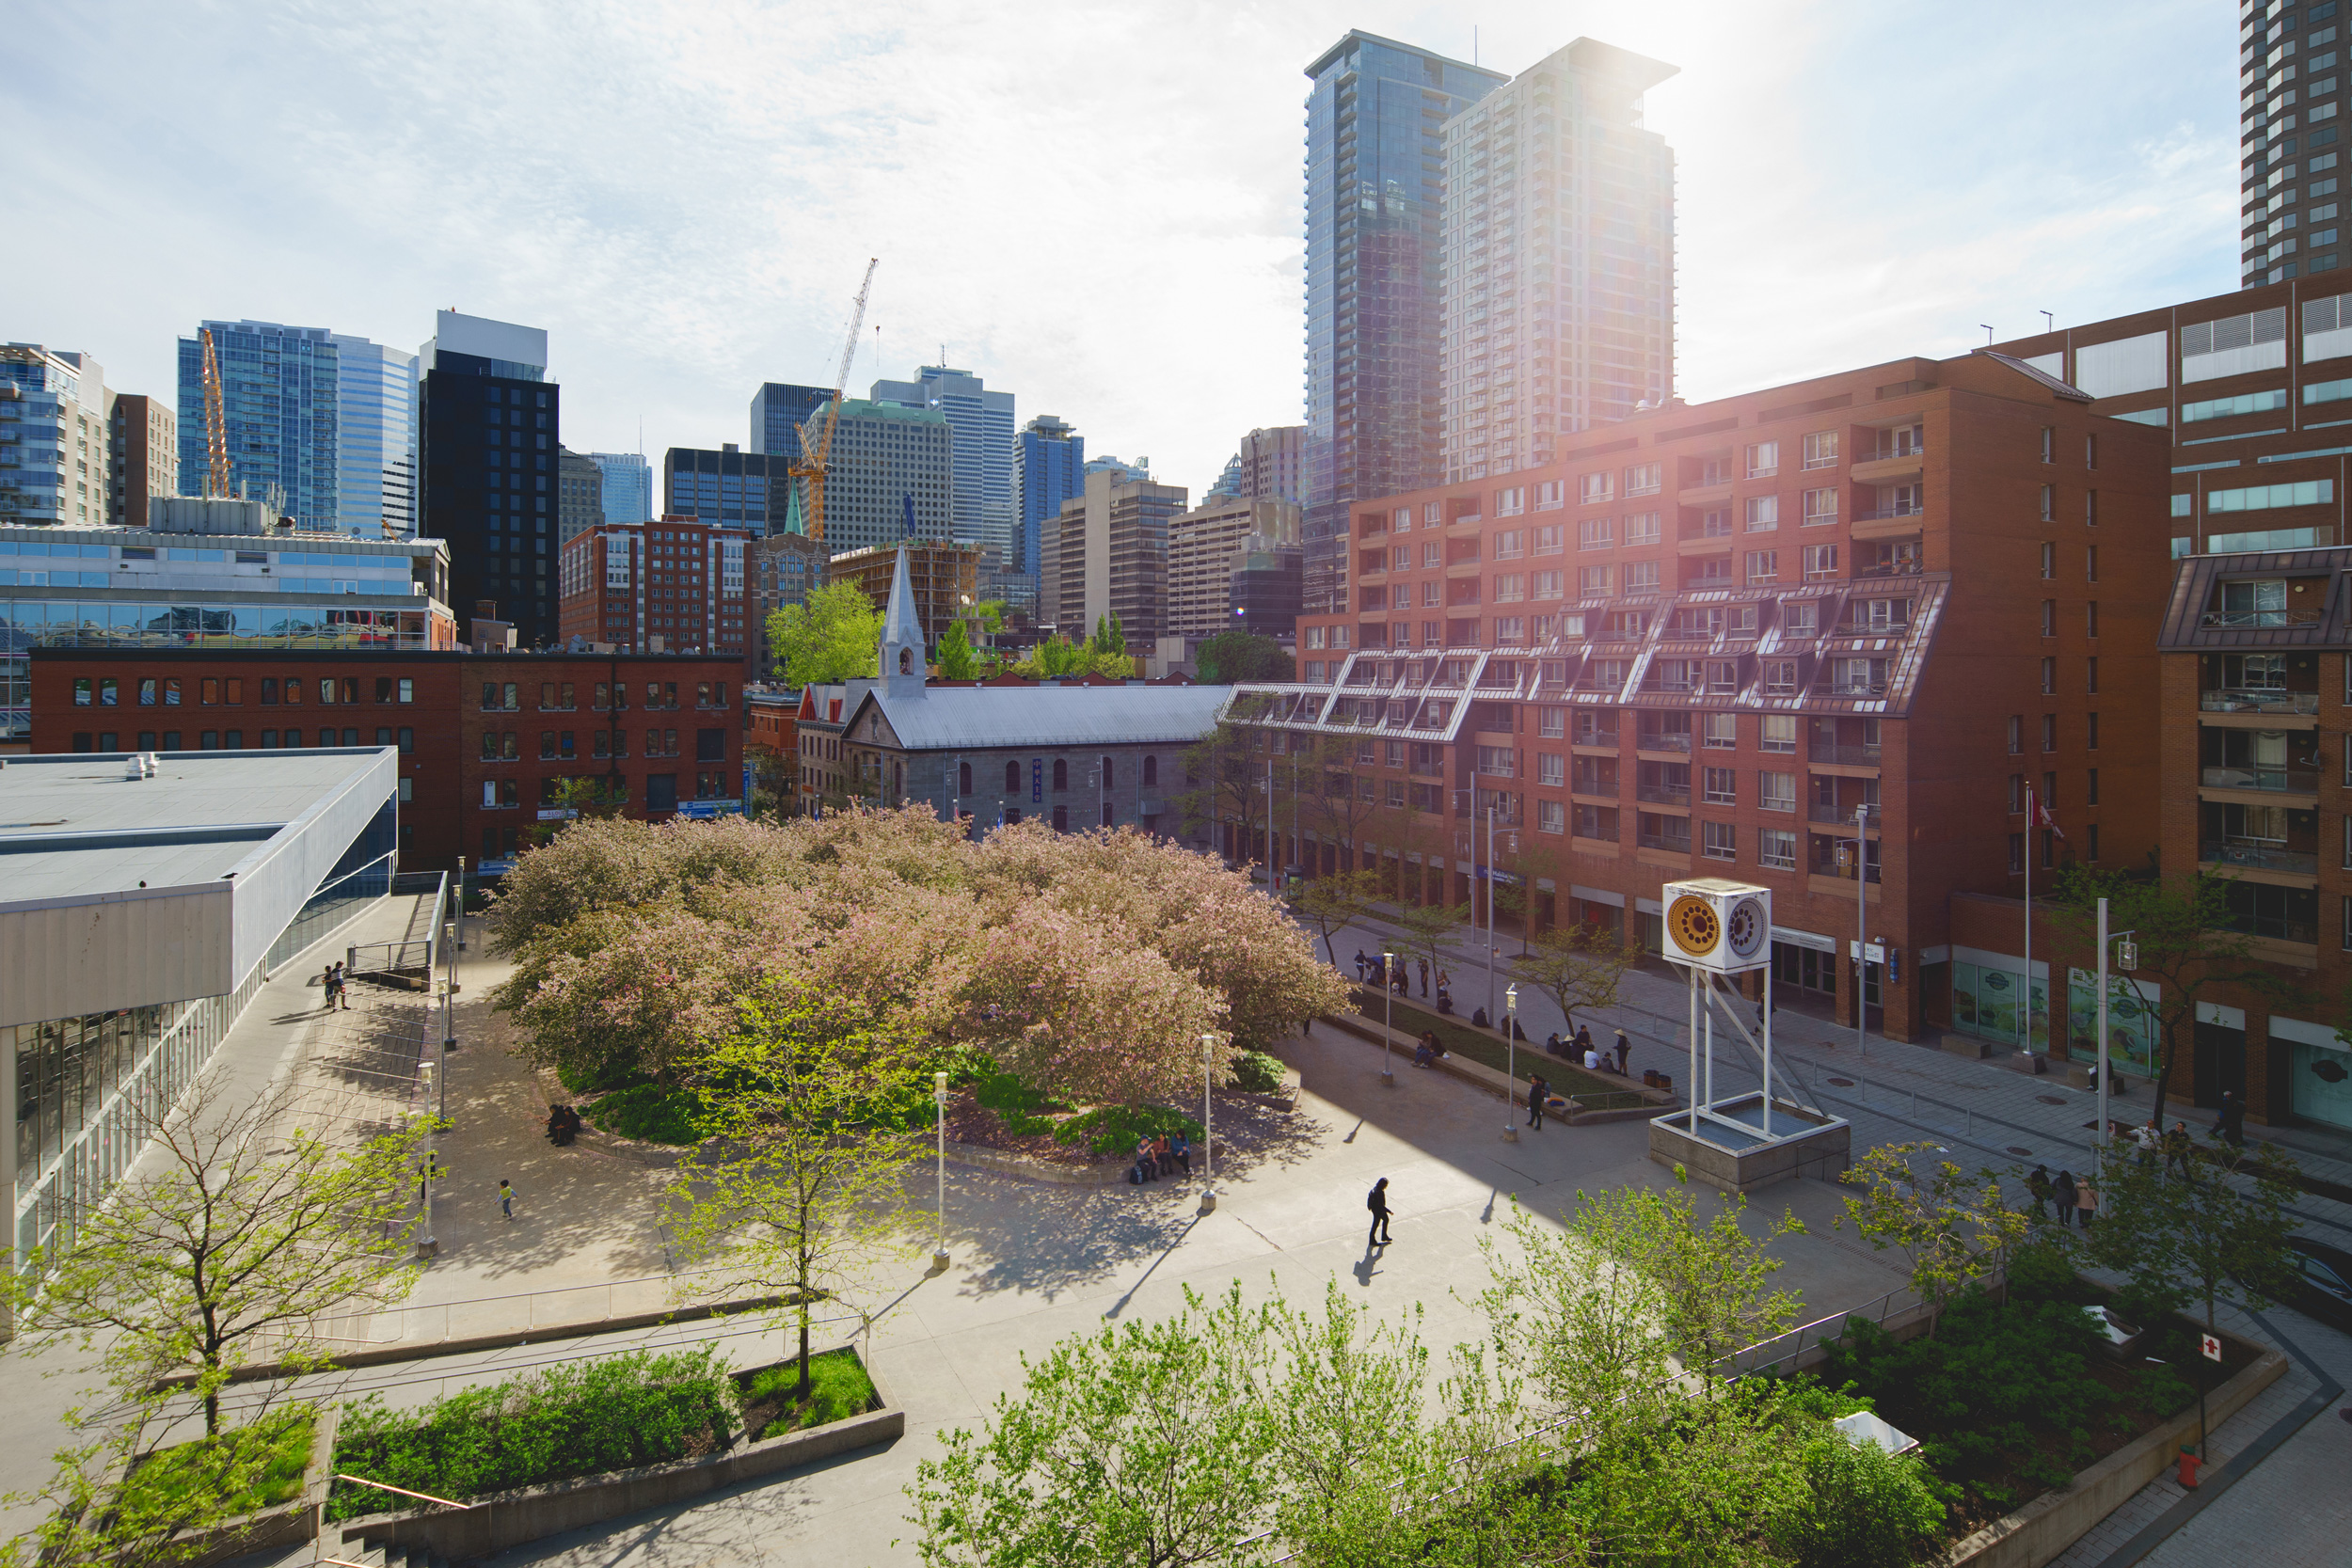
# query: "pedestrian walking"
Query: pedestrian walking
1363,963
1624,1048
1424,976
2150,1140
327,988
2231,1123
2086,1201
1377,1201
2062,1193
2179,1150
506,1197
1538,1092
2038,1183
342,988
1445,981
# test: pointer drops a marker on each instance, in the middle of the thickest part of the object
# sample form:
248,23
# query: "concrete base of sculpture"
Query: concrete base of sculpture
1730,1152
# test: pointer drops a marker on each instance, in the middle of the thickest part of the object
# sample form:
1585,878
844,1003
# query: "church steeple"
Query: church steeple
902,652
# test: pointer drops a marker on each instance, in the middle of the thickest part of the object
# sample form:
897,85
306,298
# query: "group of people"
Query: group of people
1161,1156
2074,1199
333,983
1579,1048
563,1125
1374,970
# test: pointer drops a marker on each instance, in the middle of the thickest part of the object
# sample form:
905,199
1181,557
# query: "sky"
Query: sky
1094,207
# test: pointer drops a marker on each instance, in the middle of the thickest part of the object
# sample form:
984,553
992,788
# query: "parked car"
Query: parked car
2321,1286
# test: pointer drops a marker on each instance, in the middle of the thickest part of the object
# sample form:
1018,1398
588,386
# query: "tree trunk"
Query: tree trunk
806,1383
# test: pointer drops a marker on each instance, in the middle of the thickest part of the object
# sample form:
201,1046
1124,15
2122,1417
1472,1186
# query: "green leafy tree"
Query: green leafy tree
1241,656
808,1181
591,798
1423,929
1580,967
994,614
1337,805
1225,772
957,661
833,637
1333,903
1952,1228
2217,1235
1058,659
237,1226
1109,636
2182,924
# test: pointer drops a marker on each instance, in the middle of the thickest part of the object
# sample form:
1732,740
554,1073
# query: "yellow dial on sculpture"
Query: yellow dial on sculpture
1696,929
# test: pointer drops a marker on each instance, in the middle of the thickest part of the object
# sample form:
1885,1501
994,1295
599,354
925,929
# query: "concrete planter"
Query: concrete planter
1006,1162
508,1519
1655,1101
2056,1520
273,1528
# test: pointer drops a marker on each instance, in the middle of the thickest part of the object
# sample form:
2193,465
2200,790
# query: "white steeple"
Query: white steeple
902,652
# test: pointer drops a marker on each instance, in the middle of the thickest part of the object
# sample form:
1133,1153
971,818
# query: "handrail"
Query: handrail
386,1486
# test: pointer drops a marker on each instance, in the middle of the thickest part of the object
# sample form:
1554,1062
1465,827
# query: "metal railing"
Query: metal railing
1664,794
1890,514
2259,857
1594,737
1857,689
1836,815
2241,699
1889,569
1592,832
1661,841
2289,780
1869,629
1662,741
1848,756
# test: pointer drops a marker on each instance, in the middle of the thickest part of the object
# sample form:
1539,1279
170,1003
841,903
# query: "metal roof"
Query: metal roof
2063,388
73,825
994,717
2190,622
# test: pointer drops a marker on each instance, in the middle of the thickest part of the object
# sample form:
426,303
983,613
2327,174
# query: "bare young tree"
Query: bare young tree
236,1224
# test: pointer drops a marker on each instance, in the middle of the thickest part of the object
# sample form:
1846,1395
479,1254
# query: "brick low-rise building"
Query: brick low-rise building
485,740
1699,641
671,586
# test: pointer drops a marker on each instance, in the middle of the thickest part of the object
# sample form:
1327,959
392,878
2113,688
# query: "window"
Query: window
2049,677
1820,563
2090,508
1763,459
1763,565
1640,576
2092,669
1594,580
1776,791
1592,489
2049,731
1062,775
81,691
212,692
2091,792
1720,786
2263,497
1595,533
2016,734
1780,677
1801,618
1776,848
1013,778
1719,841
1820,506
1509,586
2049,444
2016,794
1550,539
1644,528
2049,623
2016,854
1820,449
2091,563
147,692
1720,731
1779,733
2049,562
1549,585
1550,769
1551,722
1551,495
1510,544
1551,816
1763,514
408,740
1511,502
1431,555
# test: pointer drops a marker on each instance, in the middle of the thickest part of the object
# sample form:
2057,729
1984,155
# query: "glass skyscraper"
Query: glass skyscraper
778,410
748,488
627,487
375,438
982,502
1376,187
1049,468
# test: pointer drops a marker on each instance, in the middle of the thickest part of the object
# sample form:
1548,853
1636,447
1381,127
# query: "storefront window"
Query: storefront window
2131,1026
1989,1002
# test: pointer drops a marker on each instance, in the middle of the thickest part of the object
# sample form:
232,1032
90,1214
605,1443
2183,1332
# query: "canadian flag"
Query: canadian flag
2038,813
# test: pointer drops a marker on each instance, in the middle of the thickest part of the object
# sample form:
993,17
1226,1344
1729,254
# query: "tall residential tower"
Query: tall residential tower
489,422
2288,140
982,423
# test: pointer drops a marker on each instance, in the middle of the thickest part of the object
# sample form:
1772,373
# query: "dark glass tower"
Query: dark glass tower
1375,184
487,432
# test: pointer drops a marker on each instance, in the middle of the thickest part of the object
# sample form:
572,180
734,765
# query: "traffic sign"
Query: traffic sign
2211,1346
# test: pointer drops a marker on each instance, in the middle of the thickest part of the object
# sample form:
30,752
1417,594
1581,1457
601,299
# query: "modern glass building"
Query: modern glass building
627,487
749,489
375,439
1376,187
982,502
889,463
281,398
778,410
489,424
54,447
1049,468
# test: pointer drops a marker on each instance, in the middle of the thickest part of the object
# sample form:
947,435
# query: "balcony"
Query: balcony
1664,794
1872,628
2258,700
1667,842
1597,739
2259,857
2287,780
1888,569
1664,740
1846,756
1856,688
1592,832
2236,620
1839,817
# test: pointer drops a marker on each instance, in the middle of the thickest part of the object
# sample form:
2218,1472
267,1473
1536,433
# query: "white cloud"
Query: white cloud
1097,207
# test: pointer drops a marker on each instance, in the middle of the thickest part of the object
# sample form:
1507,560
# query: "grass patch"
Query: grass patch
265,1463
1113,1129
1487,1050
579,1418
648,1112
838,1389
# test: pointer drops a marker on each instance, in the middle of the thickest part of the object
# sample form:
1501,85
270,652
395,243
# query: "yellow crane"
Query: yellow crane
816,434
216,423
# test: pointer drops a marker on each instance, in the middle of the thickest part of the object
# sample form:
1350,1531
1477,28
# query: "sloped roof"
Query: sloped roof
983,717
2063,388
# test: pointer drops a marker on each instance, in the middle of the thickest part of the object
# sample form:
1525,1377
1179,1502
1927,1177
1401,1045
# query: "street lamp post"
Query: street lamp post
1861,924
939,1099
1510,1058
1208,1132
1388,989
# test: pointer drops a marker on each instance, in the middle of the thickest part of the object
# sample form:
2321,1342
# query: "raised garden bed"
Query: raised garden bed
281,1510
1487,1048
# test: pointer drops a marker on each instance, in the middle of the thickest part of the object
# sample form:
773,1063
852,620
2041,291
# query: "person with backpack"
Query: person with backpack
2037,1184
1377,1201
1537,1093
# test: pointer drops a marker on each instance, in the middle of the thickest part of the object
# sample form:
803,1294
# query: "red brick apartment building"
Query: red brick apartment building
484,740
2253,389
671,586
1699,640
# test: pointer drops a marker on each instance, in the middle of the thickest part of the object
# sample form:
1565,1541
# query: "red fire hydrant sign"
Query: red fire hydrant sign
2210,1345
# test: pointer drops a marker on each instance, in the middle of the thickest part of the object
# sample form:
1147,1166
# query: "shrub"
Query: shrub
648,1112
600,1077
1257,1072
838,1389
1113,1129
573,1420
1870,1509
162,1484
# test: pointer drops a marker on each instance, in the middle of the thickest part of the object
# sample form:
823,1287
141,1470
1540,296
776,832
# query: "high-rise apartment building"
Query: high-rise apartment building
1824,637
1559,259
753,490
1106,554
1376,183
627,485
1049,468
779,408
1269,464
489,427
1208,546
323,421
2290,72
886,460
674,585
579,495
142,457
982,504
52,418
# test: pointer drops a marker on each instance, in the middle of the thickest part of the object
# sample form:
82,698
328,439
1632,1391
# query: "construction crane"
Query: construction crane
216,423
816,434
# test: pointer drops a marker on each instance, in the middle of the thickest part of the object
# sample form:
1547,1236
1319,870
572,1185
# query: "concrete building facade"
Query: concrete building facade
885,462
579,495
1559,259
2289,144
982,506
1207,546
142,458
1106,554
